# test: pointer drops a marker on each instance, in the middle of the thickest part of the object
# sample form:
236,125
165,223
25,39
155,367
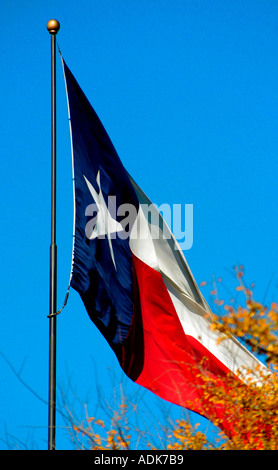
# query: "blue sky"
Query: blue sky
187,91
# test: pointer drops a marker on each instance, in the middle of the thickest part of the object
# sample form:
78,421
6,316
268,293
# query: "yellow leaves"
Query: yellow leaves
253,322
256,407
100,423
98,435
187,437
251,409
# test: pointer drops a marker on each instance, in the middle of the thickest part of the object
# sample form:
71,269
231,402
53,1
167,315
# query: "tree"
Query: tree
254,401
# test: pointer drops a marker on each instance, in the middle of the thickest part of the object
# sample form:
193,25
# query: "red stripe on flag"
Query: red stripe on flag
173,361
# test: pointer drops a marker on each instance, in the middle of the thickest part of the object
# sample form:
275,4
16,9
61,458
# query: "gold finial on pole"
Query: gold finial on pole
53,26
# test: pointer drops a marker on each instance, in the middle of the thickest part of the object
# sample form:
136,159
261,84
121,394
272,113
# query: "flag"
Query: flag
133,277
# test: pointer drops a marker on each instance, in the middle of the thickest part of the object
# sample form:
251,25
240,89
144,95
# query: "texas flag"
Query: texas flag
133,277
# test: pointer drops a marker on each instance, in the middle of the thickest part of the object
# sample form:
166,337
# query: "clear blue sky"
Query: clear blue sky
188,91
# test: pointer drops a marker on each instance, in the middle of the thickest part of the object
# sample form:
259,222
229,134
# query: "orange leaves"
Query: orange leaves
186,437
251,410
255,324
101,436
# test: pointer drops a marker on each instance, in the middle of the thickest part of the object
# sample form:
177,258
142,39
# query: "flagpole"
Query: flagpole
53,27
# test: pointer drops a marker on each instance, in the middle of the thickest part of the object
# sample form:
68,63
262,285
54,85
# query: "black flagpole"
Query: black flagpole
53,27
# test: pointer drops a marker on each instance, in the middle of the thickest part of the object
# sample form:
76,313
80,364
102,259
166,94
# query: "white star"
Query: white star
105,224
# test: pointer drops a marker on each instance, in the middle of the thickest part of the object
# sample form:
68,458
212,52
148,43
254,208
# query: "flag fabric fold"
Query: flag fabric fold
133,277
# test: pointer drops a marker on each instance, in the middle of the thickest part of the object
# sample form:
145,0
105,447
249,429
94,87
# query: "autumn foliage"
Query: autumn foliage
252,401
